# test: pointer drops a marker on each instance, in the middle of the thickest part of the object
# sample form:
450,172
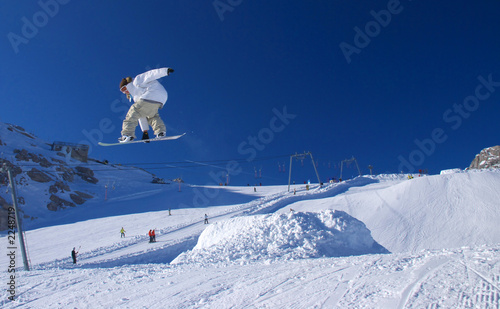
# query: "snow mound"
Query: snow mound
282,237
433,212
451,171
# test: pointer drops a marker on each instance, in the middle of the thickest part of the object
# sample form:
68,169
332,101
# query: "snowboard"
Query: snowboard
157,139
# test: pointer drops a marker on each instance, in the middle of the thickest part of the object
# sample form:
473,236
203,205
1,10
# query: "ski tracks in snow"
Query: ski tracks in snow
272,203
273,295
454,276
481,291
421,276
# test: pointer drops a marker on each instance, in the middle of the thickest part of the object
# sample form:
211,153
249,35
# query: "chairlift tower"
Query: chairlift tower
347,161
17,217
301,156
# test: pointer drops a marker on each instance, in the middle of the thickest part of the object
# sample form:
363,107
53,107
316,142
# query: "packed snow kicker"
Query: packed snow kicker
282,237
371,242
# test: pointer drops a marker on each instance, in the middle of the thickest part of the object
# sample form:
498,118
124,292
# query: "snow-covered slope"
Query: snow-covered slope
459,278
442,232
434,212
50,182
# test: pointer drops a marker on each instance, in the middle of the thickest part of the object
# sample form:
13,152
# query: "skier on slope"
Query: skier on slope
73,255
149,96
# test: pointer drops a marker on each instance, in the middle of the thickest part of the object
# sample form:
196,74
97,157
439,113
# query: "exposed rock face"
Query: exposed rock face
18,129
80,197
38,175
58,203
67,173
86,174
24,155
47,177
487,158
59,186
4,213
16,170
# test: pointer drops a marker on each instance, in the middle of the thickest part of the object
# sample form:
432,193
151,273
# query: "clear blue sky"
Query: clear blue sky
397,84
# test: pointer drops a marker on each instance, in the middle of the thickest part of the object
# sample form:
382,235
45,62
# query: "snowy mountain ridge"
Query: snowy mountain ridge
487,158
50,180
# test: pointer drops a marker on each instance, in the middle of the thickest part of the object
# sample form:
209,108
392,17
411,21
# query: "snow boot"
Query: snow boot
125,139
145,135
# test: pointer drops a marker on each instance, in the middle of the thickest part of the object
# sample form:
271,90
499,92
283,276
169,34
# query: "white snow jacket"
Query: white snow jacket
145,86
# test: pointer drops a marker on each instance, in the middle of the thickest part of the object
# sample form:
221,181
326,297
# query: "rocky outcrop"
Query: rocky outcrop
20,130
59,186
47,175
487,158
24,155
38,176
4,214
7,214
66,173
15,170
58,203
86,174
80,197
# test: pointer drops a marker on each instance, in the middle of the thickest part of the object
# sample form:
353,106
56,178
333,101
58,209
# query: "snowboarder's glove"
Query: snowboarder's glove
169,70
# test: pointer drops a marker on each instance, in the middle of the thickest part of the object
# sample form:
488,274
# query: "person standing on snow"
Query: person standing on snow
122,232
150,236
149,96
73,255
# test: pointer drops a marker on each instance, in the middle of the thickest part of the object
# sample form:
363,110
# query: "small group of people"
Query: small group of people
334,180
152,235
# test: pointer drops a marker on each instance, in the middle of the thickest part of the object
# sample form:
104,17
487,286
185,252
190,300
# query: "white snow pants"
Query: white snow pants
141,109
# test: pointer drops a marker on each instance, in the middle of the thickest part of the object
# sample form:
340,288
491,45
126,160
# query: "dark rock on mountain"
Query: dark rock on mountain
487,158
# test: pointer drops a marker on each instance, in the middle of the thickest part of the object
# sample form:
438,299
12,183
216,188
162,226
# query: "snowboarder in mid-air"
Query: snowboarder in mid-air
149,96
